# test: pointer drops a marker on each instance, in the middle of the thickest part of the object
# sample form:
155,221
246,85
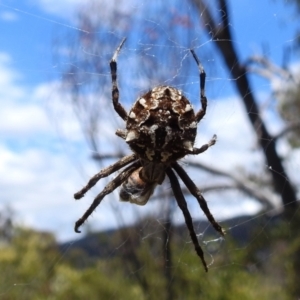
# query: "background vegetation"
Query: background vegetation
265,268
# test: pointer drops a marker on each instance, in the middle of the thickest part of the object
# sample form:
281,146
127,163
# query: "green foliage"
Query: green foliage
230,277
33,268
267,267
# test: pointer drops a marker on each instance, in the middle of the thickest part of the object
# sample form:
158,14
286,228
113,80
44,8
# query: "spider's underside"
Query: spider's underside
161,128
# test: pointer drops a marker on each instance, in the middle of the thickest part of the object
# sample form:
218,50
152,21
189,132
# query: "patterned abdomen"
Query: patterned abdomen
161,126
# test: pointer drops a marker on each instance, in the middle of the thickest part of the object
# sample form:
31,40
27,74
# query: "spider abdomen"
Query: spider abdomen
161,125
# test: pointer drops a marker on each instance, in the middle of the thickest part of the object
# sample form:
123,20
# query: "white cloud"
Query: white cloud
7,75
64,8
8,16
22,115
37,177
23,120
68,9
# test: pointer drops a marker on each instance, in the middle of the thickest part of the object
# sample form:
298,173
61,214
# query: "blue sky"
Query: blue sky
43,156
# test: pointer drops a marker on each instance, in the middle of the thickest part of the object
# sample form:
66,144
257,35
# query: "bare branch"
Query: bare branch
268,70
265,197
223,40
287,129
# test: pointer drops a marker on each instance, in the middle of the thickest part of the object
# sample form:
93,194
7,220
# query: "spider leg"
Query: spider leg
104,173
115,91
111,186
121,133
187,216
197,194
201,113
205,146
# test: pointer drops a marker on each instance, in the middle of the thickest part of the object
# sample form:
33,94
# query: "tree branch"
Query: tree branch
222,38
266,198
287,129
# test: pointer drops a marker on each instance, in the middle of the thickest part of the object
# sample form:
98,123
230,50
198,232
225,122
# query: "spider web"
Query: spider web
50,160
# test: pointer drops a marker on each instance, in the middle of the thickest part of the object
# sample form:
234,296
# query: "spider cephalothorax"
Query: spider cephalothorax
161,128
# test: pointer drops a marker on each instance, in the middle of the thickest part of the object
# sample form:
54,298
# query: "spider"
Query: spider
161,128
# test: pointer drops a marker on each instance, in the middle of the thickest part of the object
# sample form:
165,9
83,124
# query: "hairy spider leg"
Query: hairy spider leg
104,173
109,188
115,90
201,113
197,194
187,216
204,147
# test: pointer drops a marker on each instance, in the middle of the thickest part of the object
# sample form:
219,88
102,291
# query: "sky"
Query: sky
44,157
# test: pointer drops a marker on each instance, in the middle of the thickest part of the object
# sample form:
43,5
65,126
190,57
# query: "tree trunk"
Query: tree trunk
222,38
